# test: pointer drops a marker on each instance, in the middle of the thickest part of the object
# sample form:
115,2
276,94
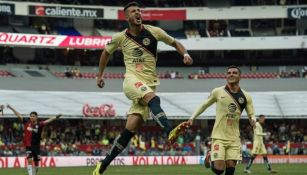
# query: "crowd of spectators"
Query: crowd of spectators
88,137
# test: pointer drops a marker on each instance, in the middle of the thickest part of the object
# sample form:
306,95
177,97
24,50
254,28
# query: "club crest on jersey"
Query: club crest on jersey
215,155
146,41
144,88
241,100
232,107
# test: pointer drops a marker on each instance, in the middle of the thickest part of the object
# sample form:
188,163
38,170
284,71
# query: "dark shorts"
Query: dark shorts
33,152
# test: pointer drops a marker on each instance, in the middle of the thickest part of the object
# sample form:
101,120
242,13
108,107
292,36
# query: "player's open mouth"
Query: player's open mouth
138,18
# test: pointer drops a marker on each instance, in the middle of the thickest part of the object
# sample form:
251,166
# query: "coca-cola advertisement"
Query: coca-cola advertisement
103,110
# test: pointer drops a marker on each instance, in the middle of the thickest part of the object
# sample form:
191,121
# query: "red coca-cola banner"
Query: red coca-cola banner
104,110
158,15
86,42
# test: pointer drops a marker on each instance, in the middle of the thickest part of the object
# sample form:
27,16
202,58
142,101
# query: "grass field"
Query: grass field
283,169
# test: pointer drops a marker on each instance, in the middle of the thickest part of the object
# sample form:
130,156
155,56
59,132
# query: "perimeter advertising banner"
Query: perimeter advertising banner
7,9
58,11
158,14
72,161
86,42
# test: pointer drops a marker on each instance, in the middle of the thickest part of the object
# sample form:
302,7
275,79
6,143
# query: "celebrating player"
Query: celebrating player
139,46
32,137
258,146
230,101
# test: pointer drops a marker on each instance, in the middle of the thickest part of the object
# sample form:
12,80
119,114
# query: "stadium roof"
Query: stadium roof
176,105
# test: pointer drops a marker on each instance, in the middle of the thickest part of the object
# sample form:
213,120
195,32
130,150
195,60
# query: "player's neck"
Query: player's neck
135,30
234,87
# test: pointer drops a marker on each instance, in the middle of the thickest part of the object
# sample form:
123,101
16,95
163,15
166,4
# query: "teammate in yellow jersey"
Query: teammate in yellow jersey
230,101
258,146
139,46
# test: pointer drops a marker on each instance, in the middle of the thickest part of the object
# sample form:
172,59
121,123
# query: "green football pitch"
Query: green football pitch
283,169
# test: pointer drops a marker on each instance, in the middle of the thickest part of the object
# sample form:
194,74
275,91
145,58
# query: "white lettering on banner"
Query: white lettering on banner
298,13
77,41
159,160
7,38
5,9
58,11
71,161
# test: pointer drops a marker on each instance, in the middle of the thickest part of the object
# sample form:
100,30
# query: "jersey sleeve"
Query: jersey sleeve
250,108
207,103
161,35
114,43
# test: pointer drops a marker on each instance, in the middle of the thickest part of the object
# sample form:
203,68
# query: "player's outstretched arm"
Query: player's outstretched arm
15,112
181,49
104,58
51,119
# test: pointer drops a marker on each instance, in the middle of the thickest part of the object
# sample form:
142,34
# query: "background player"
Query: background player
230,101
258,146
32,137
139,46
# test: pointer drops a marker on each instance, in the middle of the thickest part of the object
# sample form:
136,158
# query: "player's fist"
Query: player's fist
190,122
187,60
100,82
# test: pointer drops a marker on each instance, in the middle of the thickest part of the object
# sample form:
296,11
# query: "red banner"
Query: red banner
86,42
148,15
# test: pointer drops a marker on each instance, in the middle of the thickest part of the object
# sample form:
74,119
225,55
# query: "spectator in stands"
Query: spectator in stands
217,29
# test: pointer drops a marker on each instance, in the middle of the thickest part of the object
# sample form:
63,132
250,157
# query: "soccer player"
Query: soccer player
230,101
32,137
139,46
258,146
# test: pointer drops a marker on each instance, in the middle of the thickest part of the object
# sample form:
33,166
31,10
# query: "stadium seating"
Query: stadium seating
264,75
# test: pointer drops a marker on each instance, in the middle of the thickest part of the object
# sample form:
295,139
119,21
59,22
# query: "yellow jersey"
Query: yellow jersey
229,107
140,52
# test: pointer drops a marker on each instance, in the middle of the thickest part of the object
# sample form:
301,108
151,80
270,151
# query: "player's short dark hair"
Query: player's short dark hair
234,66
34,113
261,115
130,4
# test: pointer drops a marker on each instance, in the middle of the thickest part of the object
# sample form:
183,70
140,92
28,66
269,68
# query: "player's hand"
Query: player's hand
58,116
187,60
100,82
252,123
190,121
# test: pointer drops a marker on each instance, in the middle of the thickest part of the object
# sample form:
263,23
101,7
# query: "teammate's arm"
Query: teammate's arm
51,119
15,112
257,131
250,111
211,99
